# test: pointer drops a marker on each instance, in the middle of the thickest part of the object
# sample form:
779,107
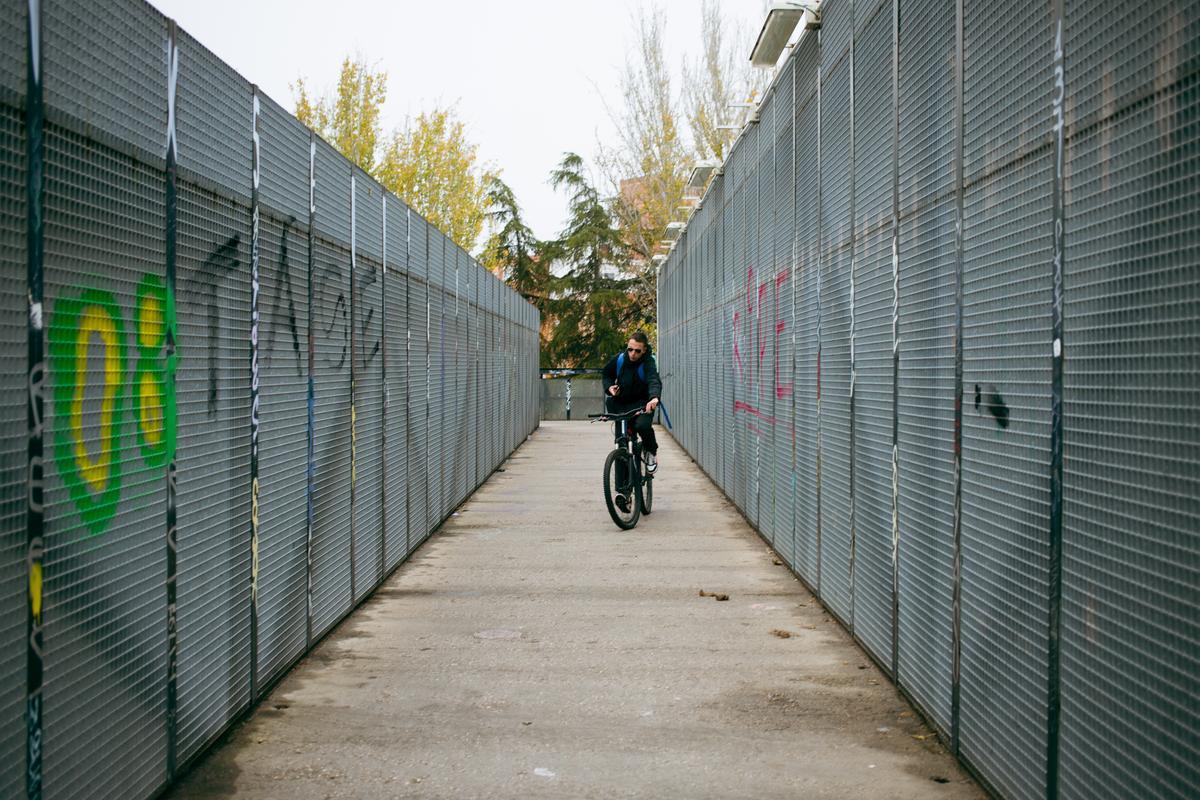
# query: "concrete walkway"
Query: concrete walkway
532,649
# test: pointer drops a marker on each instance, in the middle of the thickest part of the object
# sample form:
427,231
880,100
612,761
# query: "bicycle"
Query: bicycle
628,488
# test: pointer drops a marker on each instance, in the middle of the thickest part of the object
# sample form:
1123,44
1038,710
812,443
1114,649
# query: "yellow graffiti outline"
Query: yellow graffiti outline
151,331
95,320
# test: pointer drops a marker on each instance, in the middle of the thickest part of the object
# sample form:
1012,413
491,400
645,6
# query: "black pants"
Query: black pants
642,425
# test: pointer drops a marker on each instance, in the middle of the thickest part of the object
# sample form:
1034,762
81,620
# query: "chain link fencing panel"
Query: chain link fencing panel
236,328
960,300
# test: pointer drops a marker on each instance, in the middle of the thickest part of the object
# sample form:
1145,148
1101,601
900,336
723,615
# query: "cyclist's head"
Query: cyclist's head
638,346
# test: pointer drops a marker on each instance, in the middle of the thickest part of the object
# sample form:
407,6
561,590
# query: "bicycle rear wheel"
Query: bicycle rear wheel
619,496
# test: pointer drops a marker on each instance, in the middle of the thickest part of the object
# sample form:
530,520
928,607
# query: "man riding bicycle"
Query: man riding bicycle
631,381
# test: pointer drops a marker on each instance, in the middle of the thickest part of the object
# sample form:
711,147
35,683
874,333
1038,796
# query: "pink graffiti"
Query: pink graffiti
764,319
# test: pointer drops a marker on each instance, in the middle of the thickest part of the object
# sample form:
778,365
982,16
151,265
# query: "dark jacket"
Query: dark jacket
634,391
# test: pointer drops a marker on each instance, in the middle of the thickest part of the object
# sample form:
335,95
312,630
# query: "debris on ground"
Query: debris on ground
714,595
782,634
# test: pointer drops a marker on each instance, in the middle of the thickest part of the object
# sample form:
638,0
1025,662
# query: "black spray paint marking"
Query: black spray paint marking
369,277
220,263
278,315
333,297
992,402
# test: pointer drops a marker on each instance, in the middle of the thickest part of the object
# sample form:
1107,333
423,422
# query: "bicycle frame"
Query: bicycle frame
626,457
627,441
630,443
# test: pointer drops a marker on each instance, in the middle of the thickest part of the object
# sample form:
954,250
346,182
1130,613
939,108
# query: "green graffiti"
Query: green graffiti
90,459
154,415
91,470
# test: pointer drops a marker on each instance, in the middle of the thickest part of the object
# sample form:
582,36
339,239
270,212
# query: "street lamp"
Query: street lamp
701,173
781,21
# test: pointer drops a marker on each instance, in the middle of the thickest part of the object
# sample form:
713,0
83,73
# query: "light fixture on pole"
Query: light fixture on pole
674,229
782,18
701,173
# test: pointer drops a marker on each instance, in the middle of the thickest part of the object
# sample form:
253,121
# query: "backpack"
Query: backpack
641,370
641,373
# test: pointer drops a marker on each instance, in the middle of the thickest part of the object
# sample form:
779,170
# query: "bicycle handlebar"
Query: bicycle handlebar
623,415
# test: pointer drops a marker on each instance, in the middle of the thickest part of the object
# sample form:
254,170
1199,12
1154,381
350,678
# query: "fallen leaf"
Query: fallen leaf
782,634
720,597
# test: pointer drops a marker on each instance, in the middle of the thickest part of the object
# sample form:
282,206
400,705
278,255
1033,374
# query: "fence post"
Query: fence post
34,412
1053,653
172,698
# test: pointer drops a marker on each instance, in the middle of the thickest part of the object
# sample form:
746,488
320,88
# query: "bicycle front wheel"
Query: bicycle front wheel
619,495
647,494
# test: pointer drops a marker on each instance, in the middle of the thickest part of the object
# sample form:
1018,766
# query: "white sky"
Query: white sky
529,77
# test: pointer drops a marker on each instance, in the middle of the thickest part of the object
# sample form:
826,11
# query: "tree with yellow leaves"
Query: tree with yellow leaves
433,166
350,119
430,163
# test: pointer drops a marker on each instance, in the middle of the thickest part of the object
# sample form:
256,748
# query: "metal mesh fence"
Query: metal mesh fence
199,351
1131,528
958,302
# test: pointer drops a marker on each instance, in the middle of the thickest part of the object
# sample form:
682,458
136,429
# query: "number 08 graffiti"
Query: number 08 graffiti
89,456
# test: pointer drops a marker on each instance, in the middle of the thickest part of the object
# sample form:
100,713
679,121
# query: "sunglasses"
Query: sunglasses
634,350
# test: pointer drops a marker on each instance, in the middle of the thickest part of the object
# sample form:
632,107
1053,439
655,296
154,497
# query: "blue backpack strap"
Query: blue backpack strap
621,365
641,368
642,375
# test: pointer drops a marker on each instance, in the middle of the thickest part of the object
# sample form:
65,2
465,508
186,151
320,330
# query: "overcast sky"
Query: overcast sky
529,77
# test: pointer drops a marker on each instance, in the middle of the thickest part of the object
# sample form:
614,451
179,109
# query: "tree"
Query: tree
651,161
433,166
430,163
512,252
592,310
715,85
349,120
